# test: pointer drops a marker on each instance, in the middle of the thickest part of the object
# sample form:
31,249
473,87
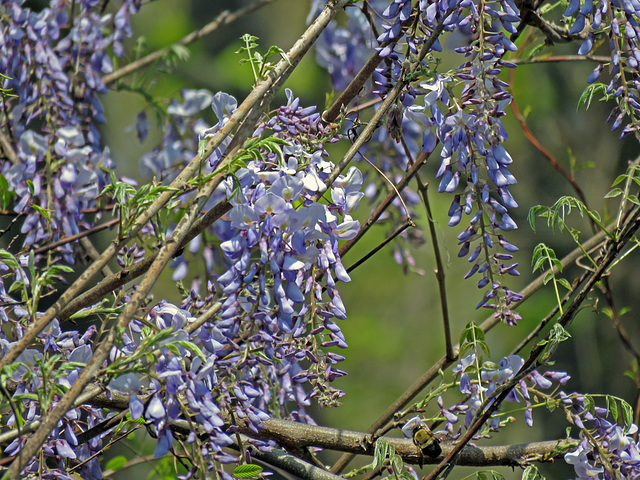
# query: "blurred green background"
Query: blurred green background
394,327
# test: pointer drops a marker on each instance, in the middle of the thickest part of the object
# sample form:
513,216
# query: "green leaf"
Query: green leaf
550,404
71,366
43,211
548,277
248,470
396,463
135,420
116,463
589,92
559,334
533,213
531,473
181,52
6,195
589,404
8,259
616,192
565,283
627,414
619,178
612,406
595,216
382,449
193,348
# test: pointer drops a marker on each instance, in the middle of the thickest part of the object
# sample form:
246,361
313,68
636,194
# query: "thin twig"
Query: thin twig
120,278
606,284
439,272
77,236
379,210
371,253
559,59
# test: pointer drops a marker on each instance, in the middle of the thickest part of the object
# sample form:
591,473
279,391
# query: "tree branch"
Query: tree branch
294,434
442,363
118,279
540,353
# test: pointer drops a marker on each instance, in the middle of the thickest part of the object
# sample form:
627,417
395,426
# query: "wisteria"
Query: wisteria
253,204
471,133
606,450
606,447
54,116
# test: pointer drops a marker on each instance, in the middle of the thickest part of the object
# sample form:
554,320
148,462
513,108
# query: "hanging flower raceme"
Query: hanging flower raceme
54,111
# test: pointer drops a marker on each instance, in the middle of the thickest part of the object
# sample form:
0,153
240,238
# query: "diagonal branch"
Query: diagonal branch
442,363
280,72
541,352
118,279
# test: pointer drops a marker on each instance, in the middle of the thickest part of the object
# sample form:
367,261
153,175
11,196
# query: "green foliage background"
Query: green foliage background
394,328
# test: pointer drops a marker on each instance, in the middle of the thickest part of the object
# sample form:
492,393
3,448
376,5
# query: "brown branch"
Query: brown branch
367,70
367,132
439,271
559,58
379,210
360,443
77,236
352,89
118,279
543,350
288,433
394,234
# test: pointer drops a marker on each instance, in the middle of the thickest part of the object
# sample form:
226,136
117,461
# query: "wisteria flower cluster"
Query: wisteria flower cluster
474,165
276,216
275,326
479,382
279,241
37,378
607,449
606,446
54,71
616,21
